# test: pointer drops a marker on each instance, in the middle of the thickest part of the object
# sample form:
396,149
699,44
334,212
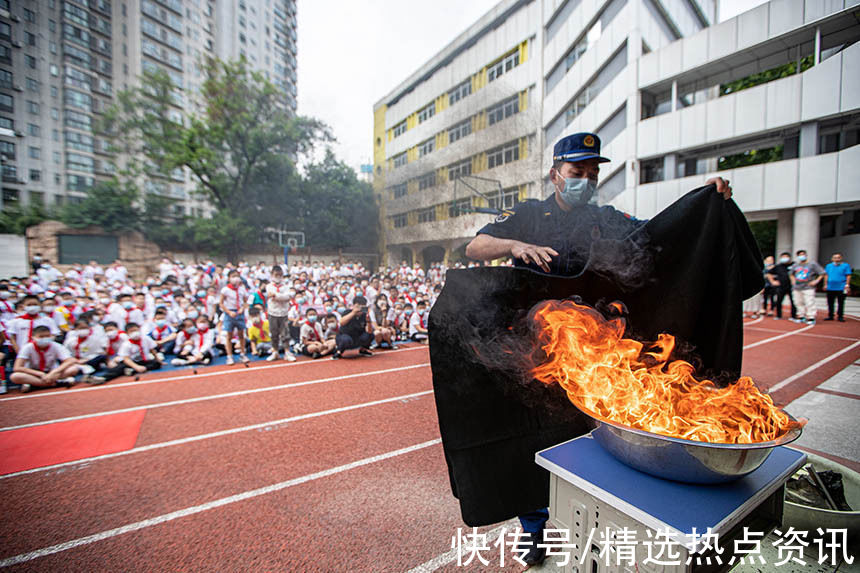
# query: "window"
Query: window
33,129
5,54
426,113
79,141
507,200
57,178
29,16
459,131
400,128
503,110
35,175
460,92
427,215
459,207
651,170
80,162
30,38
31,62
504,65
400,220
37,197
78,99
55,91
10,195
5,79
7,150
55,113
504,154
33,107
426,147
459,169
32,84
7,102
400,160
5,31
78,182
6,123
399,190
57,157
427,180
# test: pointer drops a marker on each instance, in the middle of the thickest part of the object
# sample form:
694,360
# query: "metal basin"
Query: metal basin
683,460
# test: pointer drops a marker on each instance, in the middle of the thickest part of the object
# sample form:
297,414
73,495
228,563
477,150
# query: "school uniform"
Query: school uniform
310,333
416,321
141,351
89,348
20,329
234,299
43,359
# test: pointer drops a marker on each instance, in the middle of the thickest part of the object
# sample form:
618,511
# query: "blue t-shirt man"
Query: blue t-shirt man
837,274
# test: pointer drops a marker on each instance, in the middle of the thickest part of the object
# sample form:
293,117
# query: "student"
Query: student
87,348
49,310
234,303
332,326
278,308
194,343
44,363
162,333
137,354
355,330
258,333
124,311
313,337
114,339
382,318
20,329
418,323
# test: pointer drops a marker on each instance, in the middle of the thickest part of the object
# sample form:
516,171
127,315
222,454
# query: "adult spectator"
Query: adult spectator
355,330
805,276
780,279
836,284
36,262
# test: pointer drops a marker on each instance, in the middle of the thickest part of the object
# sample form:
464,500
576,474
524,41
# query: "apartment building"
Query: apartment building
767,99
62,61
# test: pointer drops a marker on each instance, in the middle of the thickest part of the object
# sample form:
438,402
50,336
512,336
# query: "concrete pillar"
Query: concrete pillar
809,139
806,231
670,168
784,235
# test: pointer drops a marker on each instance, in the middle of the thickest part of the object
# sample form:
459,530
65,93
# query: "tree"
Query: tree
111,205
15,219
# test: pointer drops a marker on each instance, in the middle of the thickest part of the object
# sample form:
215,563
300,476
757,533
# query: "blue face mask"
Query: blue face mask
578,192
341,309
312,318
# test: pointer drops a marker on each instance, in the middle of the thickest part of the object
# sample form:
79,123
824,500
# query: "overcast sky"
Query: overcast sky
353,53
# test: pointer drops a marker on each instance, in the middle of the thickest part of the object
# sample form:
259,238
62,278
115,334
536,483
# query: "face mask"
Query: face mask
164,292
49,309
201,293
32,309
341,309
327,309
408,311
128,305
578,192
111,333
801,258
134,336
191,329
83,332
344,291
4,294
235,281
193,314
202,328
312,319
301,300
421,312
42,342
160,322
784,260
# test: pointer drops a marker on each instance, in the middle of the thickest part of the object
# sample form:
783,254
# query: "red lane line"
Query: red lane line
837,393
83,403
47,510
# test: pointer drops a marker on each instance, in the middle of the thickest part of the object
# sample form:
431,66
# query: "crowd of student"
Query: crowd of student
93,324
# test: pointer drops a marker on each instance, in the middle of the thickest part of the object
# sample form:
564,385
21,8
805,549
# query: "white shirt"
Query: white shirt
122,316
130,349
310,333
21,328
199,342
278,299
234,298
86,347
44,360
415,321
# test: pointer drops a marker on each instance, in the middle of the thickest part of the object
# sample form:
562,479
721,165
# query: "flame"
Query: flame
626,382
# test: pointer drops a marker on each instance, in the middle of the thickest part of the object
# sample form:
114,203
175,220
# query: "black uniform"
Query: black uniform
571,233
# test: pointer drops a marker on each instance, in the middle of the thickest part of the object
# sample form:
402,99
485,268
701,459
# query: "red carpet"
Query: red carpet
40,446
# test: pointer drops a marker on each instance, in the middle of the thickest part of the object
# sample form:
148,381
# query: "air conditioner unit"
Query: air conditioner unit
16,43
18,133
17,88
14,18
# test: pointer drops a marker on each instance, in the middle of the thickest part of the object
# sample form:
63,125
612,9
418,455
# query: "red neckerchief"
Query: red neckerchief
8,306
32,319
316,334
238,298
262,296
111,341
200,333
41,354
160,330
139,343
78,344
421,320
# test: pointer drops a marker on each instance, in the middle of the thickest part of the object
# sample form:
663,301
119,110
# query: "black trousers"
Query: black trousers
345,341
780,296
119,369
768,301
834,296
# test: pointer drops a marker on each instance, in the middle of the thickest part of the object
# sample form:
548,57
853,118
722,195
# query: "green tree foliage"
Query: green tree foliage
242,150
15,219
776,73
111,205
751,157
765,235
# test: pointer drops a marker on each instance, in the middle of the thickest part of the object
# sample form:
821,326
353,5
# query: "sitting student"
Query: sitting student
332,326
402,322
44,363
21,328
355,330
258,333
418,324
137,354
114,339
124,311
49,310
194,343
87,348
383,327
162,333
313,339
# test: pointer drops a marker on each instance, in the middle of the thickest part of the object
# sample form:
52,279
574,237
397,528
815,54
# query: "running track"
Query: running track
313,466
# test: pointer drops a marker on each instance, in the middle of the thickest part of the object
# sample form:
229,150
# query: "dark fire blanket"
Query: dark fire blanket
698,261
